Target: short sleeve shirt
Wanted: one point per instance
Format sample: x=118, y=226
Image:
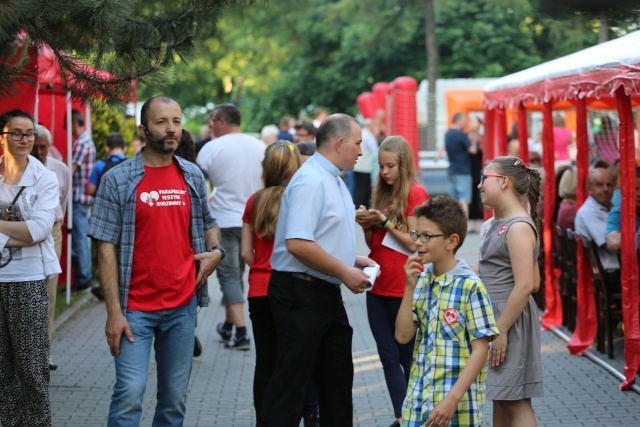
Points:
x=457, y=144
x=316, y=206
x=450, y=311
x=260, y=271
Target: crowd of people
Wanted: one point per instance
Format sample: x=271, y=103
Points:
x=448, y=334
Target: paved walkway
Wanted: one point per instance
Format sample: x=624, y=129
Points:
x=577, y=392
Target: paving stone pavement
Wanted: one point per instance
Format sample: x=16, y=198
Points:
x=577, y=392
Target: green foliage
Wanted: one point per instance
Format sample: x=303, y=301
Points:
x=287, y=57
x=106, y=119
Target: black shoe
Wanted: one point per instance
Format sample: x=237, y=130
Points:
x=242, y=343
x=97, y=292
x=52, y=366
x=197, y=348
x=78, y=287
x=225, y=335
x=396, y=423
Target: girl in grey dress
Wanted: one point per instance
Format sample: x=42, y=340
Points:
x=508, y=268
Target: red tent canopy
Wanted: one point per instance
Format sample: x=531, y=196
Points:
x=47, y=98
x=604, y=75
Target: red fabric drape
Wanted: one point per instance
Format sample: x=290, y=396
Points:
x=523, y=134
x=587, y=324
x=629, y=261
x=501, y=129
x=553, y=306
x=488, y=150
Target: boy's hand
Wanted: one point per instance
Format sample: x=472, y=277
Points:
x=498, y=350
x=412, y=269
x=442, y=413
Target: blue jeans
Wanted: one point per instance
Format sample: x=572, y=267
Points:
x=80, y=253
x=173, y=331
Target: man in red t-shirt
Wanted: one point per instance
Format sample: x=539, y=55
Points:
x=158, y=244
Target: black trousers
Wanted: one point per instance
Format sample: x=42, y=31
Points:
x=313, y=338
x=264, y=339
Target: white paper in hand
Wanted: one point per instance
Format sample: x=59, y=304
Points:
x=373, y=275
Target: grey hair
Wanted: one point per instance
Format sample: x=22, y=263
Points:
x=43, y=131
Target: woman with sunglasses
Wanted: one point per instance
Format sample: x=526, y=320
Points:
x=386, y=228
x=28, y=199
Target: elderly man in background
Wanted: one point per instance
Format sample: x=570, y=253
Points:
x=591, y=221
x=40, y=151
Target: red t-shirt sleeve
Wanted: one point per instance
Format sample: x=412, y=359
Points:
x=417, y=196
x=246, y=217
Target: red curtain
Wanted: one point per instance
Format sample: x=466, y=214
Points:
x=489, y=145
x=629, y=260
x=553, y=306
x=501, y=128
x=523, y=134
x=587, y=324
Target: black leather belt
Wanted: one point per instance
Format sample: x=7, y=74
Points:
x=309, y=278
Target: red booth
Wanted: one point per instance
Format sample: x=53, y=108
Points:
x=603, y=76
x=47, y=98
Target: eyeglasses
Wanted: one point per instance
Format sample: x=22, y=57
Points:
x=486, y=175
x=424, y=237
x=17, y=135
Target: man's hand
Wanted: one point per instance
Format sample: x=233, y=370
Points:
x=208, y=262
x=355, y=279
x=116, y=326
x=363, y=261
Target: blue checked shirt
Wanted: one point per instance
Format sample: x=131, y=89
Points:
x=84, y=155
x=113, y=218
x=450, y=310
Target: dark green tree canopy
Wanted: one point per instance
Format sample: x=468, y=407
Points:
x=132, y=39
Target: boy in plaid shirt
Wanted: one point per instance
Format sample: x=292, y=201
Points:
x=448, y=306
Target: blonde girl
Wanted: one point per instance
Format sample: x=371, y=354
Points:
x=508, y=268
x=386, y=228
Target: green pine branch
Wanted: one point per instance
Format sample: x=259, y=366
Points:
x=131, y=39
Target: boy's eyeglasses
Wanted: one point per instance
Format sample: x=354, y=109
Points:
x=486, y=175
x=424, y=237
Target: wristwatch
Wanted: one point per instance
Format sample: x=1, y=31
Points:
x=221, y=249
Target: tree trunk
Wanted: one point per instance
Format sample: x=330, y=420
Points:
x=603, y=32
x=432, y=73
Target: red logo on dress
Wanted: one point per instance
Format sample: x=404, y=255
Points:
x=450, y=316
x=502, y=230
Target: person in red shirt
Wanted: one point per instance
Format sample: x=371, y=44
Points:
x=386, y=228
x=281, y=161
x=157, y=246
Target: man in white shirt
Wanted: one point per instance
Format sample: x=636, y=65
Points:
x=40, y=151
x=233, y=162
